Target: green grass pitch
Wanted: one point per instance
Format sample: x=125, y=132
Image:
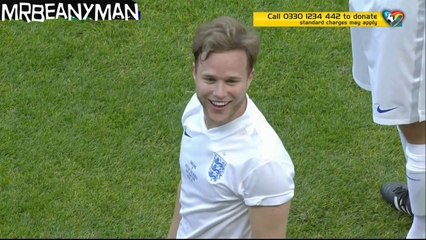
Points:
x=90, y=124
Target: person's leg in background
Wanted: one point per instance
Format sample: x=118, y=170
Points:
x=416, y=174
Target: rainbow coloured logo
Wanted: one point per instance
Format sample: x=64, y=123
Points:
x=393, y=18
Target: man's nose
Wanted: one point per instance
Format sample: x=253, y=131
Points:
x=219, y=89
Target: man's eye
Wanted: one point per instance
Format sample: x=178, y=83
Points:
x=232, y=81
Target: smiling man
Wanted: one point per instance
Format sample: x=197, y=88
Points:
x=236, y=175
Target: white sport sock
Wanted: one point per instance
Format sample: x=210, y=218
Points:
x=417, y=230
x=416, y=174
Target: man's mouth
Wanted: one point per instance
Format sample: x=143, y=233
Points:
x=219, y=104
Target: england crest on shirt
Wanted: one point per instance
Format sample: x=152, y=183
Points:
x=217, y=168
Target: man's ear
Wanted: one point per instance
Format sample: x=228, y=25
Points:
x=194, y=71
x=250, y=77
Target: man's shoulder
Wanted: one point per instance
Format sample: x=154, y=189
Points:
x=262, y=132
x=192, y=108
x=258, y=120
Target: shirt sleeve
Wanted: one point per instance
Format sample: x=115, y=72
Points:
x=269, y=184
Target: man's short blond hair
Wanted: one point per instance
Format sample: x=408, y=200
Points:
x=225, y=34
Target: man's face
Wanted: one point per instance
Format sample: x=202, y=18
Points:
x=221, y=83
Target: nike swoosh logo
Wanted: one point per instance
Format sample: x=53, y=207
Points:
x=186, y=134
x=379, y=110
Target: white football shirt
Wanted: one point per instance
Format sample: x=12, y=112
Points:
x=227, y=169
